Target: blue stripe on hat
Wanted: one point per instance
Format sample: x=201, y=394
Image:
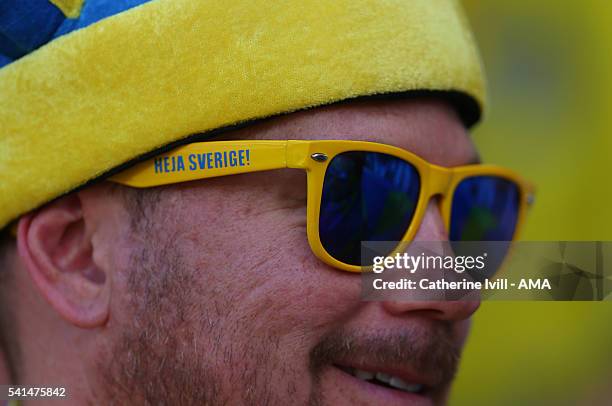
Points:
x=26, y=25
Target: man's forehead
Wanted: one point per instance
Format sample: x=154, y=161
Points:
x=426, y=126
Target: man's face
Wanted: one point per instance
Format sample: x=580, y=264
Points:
x=217, y=298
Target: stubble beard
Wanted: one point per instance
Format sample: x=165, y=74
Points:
x=159, y=356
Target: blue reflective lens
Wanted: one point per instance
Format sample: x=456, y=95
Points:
x=367, y=196
x=484, y=208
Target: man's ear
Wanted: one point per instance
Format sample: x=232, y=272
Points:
x=55, y=244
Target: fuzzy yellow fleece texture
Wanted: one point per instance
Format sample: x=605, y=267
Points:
x=97, y=98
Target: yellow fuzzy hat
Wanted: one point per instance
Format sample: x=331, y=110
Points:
x=107, y=85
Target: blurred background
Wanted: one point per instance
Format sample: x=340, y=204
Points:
x=549, y=67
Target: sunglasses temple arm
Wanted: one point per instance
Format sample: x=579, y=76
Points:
x=205, y=161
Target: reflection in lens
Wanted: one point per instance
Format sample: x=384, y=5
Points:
x=367, y=196
x=484, y=208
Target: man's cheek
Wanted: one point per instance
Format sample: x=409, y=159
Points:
x=300, y=302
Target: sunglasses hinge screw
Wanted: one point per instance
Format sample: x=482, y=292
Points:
x=530, y=199
x=319, y=157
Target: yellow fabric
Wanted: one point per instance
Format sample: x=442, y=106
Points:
x=70, y=8
x=101, y=96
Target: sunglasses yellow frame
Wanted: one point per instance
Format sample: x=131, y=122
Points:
x=221, y=158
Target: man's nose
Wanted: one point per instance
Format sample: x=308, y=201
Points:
x=432, y=229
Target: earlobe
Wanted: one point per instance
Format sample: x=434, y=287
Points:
x=55, y=244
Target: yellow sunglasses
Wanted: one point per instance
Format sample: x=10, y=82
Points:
x=358, y=191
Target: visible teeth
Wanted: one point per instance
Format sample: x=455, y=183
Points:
x=390, y=380
x=383, y=377
x=365, y=375
x=408, y=387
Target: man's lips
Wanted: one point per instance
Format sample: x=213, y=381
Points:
x=374, y=392
x=414, y=365
x=399, y=377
